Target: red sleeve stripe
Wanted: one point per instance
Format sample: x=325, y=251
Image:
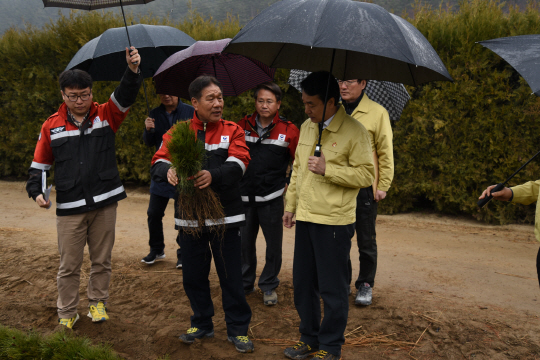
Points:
x=121, y=108
x=40, y=166
x=239, y=162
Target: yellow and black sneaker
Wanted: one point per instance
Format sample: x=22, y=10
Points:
x=242, y=343
x=325, y=355
x=194, y=333
x=98, y=313
x=69, y=322
x=299, y=351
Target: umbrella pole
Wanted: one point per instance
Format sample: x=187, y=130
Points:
x=481, y=203
x=127, y=32
x=318, y=147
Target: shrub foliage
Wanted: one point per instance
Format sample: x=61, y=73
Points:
x=452, y=141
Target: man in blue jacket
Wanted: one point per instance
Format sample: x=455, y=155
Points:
x=161, y=119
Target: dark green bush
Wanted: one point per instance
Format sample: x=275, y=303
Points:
x=452, y=141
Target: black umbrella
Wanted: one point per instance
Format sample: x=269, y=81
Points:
x=104, y=56
x=523, y=53
x=392, y=96
x=368, y=41
x=94, y=5
x=354, y=40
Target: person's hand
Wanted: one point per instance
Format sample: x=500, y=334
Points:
x=133, y=59
x=317, y=165
x=203, y=179
x=172, y=178
x=379, y=195
x=42, y=203
x=288, y=221
x=150, y=123
x=503, y=195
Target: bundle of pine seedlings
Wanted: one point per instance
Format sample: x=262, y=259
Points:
x=199, y=207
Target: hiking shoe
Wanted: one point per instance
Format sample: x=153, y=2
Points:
x=270, y=297
x=98, y=313
x=299, y=351
x=152, y=257
x=179, y=263
x=241, y=343
x=69, y=322
x=364, y=296
x=325, y=355
x=194, y=333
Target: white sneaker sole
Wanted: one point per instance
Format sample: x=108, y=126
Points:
x=159, y=257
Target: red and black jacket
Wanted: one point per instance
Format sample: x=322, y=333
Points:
x=85, y=170
x=227, y=160
x=265, y=178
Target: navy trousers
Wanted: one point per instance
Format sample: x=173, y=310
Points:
x=270, y=218
x=366, y=237
x=320, y=271
x=156, y=212
x=197, y=255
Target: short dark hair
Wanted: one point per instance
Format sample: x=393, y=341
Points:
x=196, y=87
x=75, y=79
x=316, y=84
x=270, y=86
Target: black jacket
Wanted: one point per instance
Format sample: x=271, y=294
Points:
x=85, y=174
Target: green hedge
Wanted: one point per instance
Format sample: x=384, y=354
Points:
x=452, y=141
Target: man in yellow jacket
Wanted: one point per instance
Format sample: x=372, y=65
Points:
x=322, y=194
x=375, y=119
x=524, y=194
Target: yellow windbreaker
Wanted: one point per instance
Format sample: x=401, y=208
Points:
x=526, y=194
x=375, y=119
x=331, y=199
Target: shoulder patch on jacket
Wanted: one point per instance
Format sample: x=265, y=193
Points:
x=57, y=130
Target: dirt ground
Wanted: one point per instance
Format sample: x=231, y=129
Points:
x=446, y=288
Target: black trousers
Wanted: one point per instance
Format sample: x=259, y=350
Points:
x=270, y=219
x=538, y=265
x=156, y=212
x=197, y=257
x=320, y=271
x=366, y=237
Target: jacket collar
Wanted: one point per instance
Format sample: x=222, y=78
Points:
x=199, y=125
x=363, y=106
x=336, y=122
x=253, y=124
x=63, y=109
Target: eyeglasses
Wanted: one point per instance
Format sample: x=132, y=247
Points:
x=347, y=83
x=74, y=97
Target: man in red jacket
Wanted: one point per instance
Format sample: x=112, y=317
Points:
x=227, y=160
x=272, y=143
x=79, y=140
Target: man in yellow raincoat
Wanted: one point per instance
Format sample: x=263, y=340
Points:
x=322, y=194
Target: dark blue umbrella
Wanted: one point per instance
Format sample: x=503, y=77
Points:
x=104, y=56
x=523, y=53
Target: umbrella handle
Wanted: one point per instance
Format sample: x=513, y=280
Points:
x=482, y=202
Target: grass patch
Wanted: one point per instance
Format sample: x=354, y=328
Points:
x=18, y=345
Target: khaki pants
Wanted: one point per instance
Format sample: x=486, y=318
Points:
x=74, y=231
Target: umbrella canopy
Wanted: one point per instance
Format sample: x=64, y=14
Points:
x=369, y=42
x=104, y=57
x=91, y=4
x=236, y=73
x=392, y=96
x=523, y=53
